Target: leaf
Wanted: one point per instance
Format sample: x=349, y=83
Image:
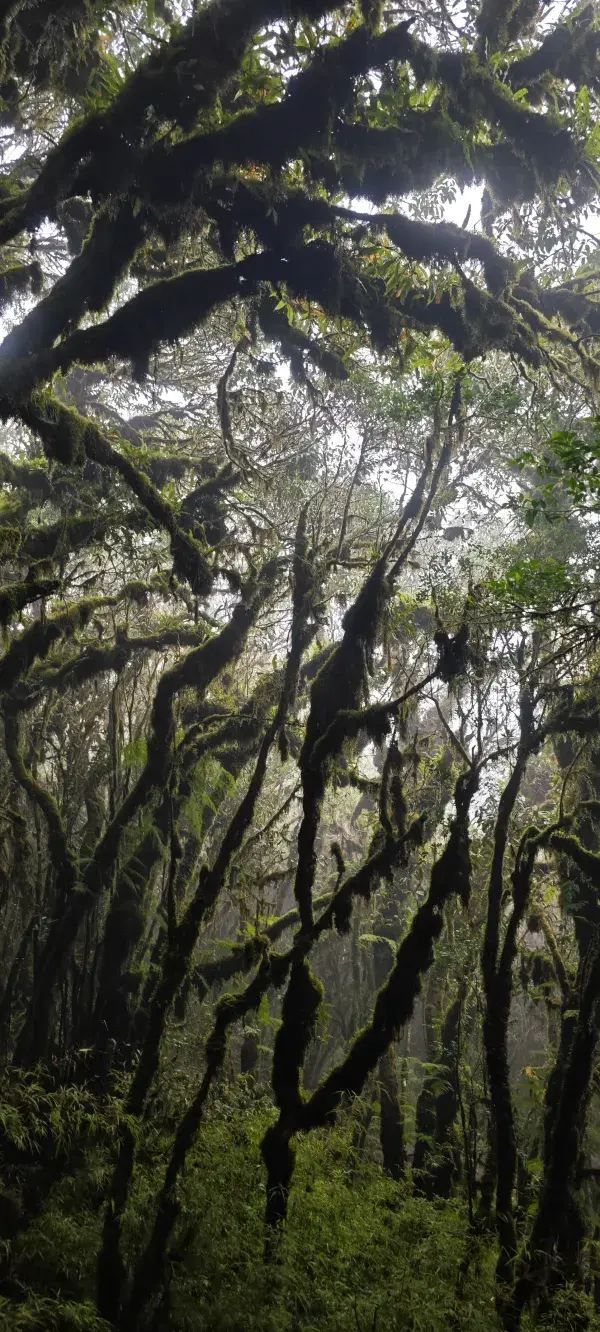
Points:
x=135, y=753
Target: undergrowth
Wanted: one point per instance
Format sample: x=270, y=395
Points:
x=358, y=1251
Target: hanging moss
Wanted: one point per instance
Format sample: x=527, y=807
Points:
x=60, y=429
x=299, y=1014
x=588, y=861
x=454, y=655
x=500, y=22
x=26, y=476
x=181, y=945
x=298, y=1017
x=450, y=874
x=277, y=132
x=294, y=343
x=112, y=1020
x=339, y=687
x=472, y=319
x=150, y=1270
x=244, y=955
x=553, y=1252
x=378, y=865
x=569, y=51
x=75, y=215
x=393, y=1007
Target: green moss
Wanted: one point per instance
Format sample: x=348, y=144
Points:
x=19, y=278
x=37, y=641
x=61, y=429
x=10, y=542
x=17, y=595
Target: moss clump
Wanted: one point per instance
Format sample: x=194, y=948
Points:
x=10, y=542
x=17, y=595
x=61, y=430
x=19, y=278
x=37, y=641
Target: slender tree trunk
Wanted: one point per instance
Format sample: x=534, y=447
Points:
x=391, y=1120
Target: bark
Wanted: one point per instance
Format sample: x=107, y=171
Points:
x=391, y=1117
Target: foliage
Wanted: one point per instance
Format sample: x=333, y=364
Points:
x=299, y=588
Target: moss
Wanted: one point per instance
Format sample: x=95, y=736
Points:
x=317, y=271
x=87, y=284
x=10, y=542
x=95, y=661
x=17, y=595
x=294, y=343
x=61, y=430
x=70, y=438
x=26, y=476
x=298, y=1017
x=552, y=1256
x=381, y=861
x=313, y=100
x=501, y=22
x=63, y=862
x=454, y=655
x=393, y=1007
x=124, y=928
x=588, y=861
x=425, y=240
x=433, y=1163
x=196, y=670
x=299, y=1014
x=394, y=1003
x=100, y=153
x=184, y=937
x=37, y=641
x=391, y=1118
x=569, y=51
x=337, y=689
x=75, y=215
x=20, y=278
x=244, y=955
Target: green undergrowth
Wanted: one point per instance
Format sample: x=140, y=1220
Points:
x=359, y=1251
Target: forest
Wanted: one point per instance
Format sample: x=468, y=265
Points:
x=299, y=666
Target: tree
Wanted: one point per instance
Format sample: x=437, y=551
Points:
x=268, y=654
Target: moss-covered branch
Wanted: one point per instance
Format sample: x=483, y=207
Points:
x=95, y=661
x=204, y=53
x=87, y=284
x=394, y=1004
x=184, y=935
x=63, y=861
x=70, y=437
x=272, y=971
x=15, y=596
x=196, y=670
x=318, y=271
x=37, y=641
x=315, y=100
